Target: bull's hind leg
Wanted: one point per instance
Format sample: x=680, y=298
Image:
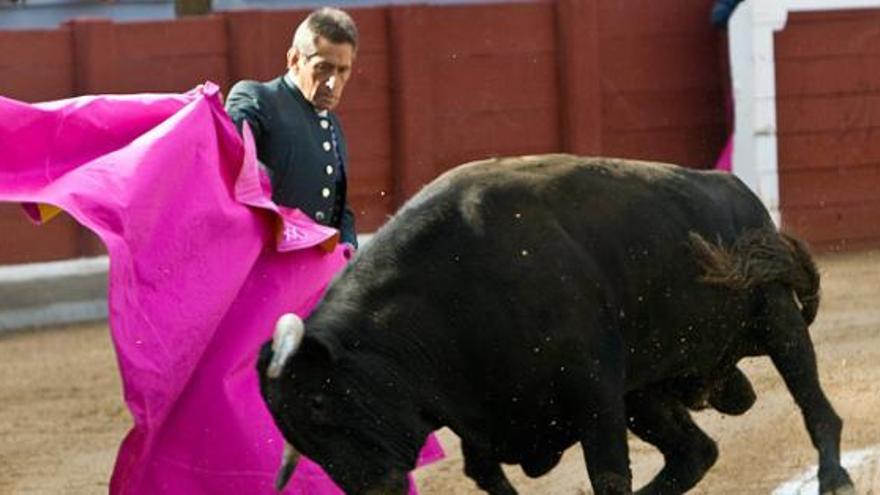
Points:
x=788, y=343
x=485, y=470
x=664, y=422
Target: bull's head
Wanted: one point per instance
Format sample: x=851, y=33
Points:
x=327, y=409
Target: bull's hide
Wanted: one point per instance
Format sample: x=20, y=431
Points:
x=531, y=303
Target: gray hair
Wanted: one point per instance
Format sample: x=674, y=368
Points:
x=328, y=22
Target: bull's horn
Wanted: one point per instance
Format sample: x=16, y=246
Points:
x=288, y=465
x=288, y=334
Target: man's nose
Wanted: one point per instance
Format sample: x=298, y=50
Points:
x=331, y=82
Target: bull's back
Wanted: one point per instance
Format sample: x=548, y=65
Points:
x=523, y=259
x=601, y=193
x=570, y=244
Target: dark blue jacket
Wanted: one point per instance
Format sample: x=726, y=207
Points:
x=721, y=12
x=295, y=143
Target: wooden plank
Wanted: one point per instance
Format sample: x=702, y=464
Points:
x=370, y=177
x=35, y=47
x=696, y=148
x=821, y=34
x=278, y=28
x=830, y=15
x=478, y=135
x=369, y=87
x=663, y=110
x=830, y=187
x=372, y=25
x=838, y=74
x=827, y=113
x=638, y=17
x=652, y=63
x=368, y=133
x=829, y=149
x=170, y=74
x=412, y=105
x=371, y=211
x=36, y=65
x=95, y=55
x=499, y=81
x=38, y=83
x=24, y=242
x=836, y=227
x=492, y=28
x=578, y=59
x=160, y=39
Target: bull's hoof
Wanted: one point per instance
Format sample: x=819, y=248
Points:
x=503, y=488
x=842, y=490
x=836, y=482
x=611, y=484
x=657, y=487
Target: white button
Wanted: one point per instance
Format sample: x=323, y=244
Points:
x=324, y=124
x=329, y=169
x=319, y=215
x=326, y=145
x=325, y=192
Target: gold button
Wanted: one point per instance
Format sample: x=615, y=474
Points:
x=325, y=192
x=326, y=145
x=329, y=169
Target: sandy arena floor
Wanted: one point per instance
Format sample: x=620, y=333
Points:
x=62, y=417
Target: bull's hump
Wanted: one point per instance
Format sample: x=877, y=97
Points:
x=532, y=172
x=511, y=180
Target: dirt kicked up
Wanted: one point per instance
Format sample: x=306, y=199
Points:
x=62, y=416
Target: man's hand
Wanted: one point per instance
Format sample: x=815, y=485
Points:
x=348, y=250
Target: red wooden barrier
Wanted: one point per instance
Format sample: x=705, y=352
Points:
x=434, y=85
x=828, y=105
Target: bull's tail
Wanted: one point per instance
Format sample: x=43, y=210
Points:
x=761, y=256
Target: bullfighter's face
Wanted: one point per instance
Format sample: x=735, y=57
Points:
x=321, y=76
x=334, y=423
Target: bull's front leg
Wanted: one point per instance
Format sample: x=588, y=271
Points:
x=789, y=346
x=594, y=395
x=485, y=470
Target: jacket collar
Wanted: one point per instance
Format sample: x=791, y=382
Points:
x=291, y=85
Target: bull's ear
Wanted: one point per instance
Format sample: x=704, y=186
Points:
x=321, y=347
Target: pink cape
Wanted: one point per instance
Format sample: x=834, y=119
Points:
x=725, y=159
x=201, y=266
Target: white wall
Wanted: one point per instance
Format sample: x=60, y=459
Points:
x=753, y=74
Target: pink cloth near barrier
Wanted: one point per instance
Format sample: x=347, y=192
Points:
x=202, y=263
x=725, y=159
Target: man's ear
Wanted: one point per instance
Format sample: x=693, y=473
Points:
x=292, y=59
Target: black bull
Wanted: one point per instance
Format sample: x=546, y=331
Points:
x=530, y=303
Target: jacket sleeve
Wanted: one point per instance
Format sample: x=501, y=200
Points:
x=243, y=104
x=347, y=231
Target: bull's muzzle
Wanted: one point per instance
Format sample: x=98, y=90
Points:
x=289, y=331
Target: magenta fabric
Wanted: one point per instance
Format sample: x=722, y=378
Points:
x=725, y=159
x=202, y=263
